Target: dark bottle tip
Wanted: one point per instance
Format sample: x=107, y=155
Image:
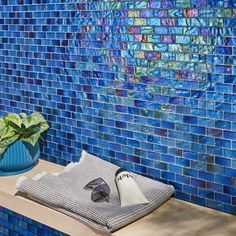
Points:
x=120, y=170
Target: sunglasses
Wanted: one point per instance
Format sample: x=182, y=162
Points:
x=100, y=190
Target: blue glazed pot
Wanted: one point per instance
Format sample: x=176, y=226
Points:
x=18, y=158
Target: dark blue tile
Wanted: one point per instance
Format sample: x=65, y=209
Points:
x=214, y=187
x=190, y=119
x=230, y=135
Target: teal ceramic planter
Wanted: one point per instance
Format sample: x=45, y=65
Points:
x=18, y=158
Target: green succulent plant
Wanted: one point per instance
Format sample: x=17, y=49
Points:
x=21, y=127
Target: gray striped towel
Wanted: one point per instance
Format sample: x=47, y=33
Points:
x=64, y=192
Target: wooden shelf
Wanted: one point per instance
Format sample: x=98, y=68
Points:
x=175, y=217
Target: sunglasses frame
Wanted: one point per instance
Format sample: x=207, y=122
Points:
x=90, y=184
x=96, y=188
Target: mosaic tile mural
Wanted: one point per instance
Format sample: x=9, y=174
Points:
x=12, y=223
x=149, y=85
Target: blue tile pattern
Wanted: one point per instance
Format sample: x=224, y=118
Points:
x=12, y=223
x=148, y=85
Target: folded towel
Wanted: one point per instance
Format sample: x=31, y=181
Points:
x=65, y=192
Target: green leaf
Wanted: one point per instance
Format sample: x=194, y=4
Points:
x=6, y=133
x=33, y=119
x=2, y=124
x=14, y=127
x=13, y=118
x=43, y=127
x=23, y=119
x=32, y=139
x=39, y=128
x=9, y=140
x=23, y=115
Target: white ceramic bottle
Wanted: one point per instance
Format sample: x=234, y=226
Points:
x=129, y=191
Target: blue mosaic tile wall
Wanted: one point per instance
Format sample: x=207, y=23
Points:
x=149, y=85
x=12, y=223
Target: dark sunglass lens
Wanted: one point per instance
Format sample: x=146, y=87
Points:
x=104, y=188
x=101, y=190
x=97, y=197
x=100, y=194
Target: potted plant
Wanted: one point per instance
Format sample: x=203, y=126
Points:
x=19, y=147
